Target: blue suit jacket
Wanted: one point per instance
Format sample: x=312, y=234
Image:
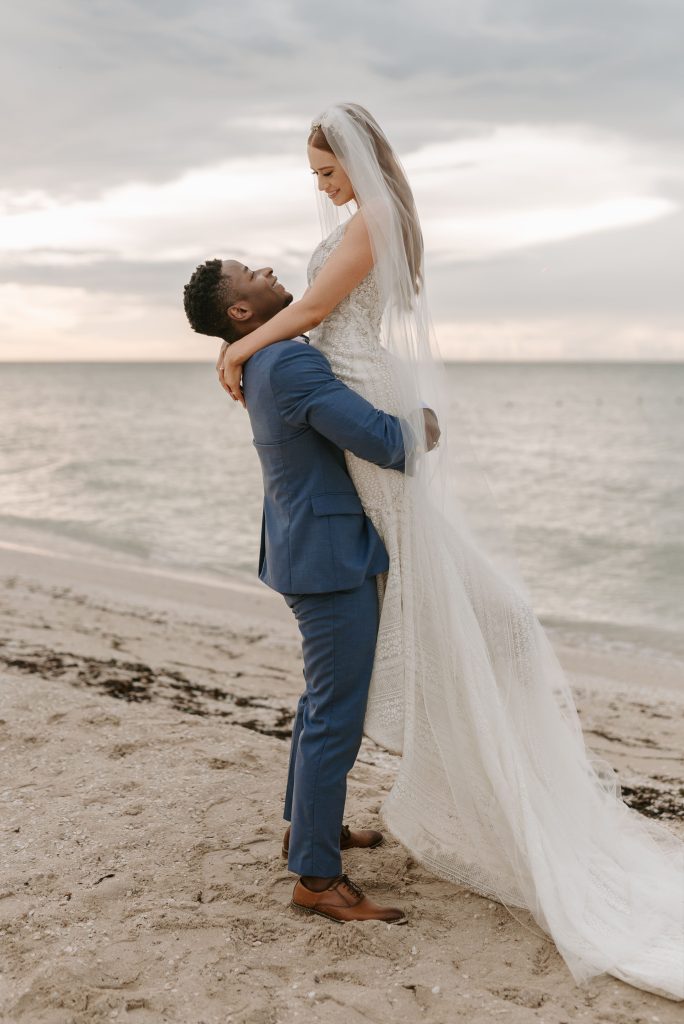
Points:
x=315, y=536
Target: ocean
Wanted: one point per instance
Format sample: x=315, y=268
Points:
x=153, y=463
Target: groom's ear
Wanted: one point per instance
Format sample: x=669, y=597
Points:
x=240, y=311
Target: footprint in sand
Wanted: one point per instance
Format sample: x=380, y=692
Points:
x=243, y=850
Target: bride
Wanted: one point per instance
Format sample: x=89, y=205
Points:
x=496, y=789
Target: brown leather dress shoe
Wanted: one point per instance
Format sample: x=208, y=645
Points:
x=343, y=901
x=364, y=839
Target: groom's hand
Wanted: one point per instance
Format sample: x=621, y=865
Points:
x=432, y=429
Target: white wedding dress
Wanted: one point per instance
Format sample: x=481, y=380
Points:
x=496, y=789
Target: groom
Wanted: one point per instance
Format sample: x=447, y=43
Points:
x=322, y=553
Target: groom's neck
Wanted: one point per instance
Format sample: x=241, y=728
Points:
x=254, y=324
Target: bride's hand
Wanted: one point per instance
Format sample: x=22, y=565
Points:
x=219, y=363
x=432, y=429
x=230, y=374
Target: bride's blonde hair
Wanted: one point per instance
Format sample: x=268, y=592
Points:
x=395, y=180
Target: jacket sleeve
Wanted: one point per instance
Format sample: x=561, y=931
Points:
x=307, y=393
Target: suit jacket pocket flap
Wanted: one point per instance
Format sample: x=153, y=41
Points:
x=344, y=503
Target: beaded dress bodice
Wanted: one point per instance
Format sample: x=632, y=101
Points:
x=350, y=335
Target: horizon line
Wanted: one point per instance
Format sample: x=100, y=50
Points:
x=667, y=361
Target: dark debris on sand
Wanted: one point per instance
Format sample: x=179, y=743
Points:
x=137, y=682
x=666, y=802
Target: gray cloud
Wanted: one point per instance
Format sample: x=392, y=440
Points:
x=616, y=63
x=105, y=94
x=160, y=282
x=634, y=270
x=631, y=270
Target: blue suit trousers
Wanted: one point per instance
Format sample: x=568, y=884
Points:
x=339, y=634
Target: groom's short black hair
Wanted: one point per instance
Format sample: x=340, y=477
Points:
x=206, y=297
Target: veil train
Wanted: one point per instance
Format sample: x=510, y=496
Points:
x=496, y=789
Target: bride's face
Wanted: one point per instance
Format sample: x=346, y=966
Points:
x=330, y=175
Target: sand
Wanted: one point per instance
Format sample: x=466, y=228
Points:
x=144, y=733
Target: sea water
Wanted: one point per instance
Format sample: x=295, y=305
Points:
x=154, y=462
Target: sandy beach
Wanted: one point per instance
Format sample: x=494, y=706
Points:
x=145, y=727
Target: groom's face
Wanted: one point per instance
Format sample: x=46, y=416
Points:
x=258, y=294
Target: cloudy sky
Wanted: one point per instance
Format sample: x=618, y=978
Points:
x=543, y=139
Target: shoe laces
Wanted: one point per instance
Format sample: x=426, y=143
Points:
x=355, y=889
x=346, y=832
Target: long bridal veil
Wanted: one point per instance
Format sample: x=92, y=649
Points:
x=496, y=789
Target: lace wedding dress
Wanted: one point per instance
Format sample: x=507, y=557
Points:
x=496, y=789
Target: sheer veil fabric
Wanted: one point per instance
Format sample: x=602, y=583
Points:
x=496, y=789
